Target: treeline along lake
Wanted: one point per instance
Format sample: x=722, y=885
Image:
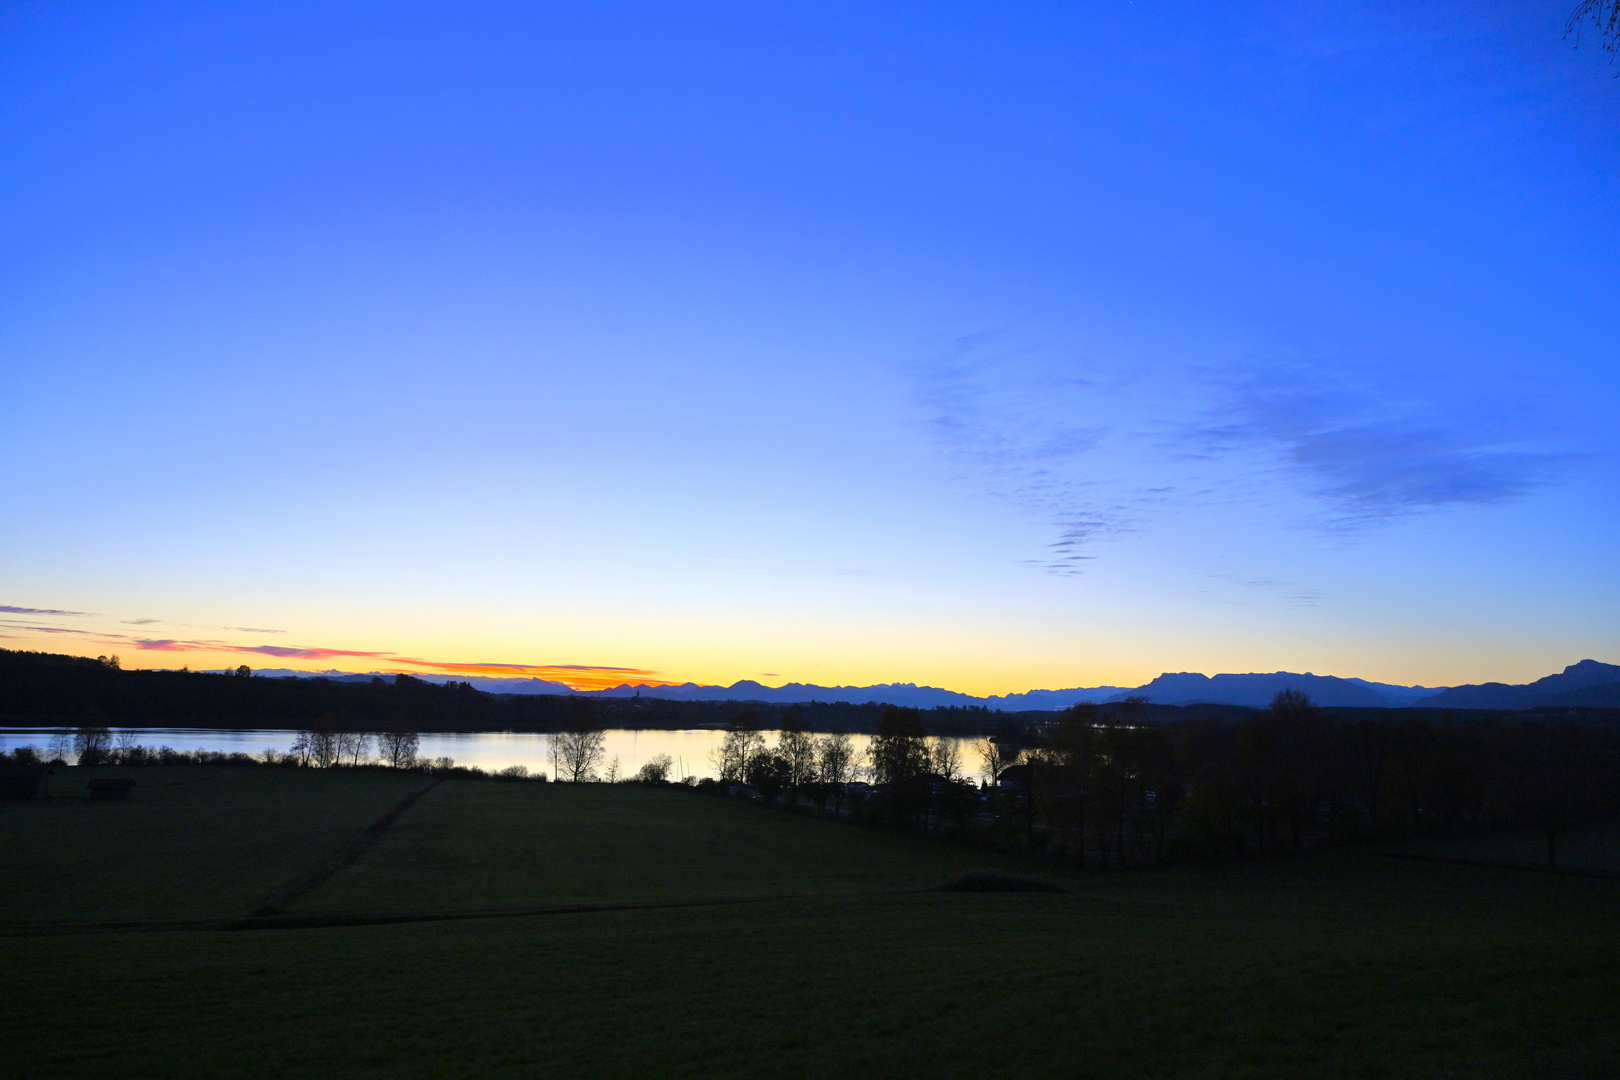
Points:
x=691, y=751
x=43, y=687
x=1130, y=781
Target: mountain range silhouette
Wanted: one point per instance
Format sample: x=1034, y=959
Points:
x=1587, y=683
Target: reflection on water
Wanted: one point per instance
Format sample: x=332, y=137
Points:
x=488, y=750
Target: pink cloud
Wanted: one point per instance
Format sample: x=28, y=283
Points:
x=299, y=653
x=577, y=676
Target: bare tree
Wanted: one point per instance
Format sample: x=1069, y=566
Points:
x=996, y=758
x=317, y=748
x=899, y=751
x=612, y=776
x=91, y=742
x=835, y=761
x=835, y=758
x=736, y=752
x=398, y=748
x=577, y=751
x=656, y=769
x=353, y=745
x=797, y=748
x=944, y=758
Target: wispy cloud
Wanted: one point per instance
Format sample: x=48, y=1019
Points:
x=41, y=611
x=1100, y=452
x=295, y=652
x=1288, y=592
x=577, y=676
x=196, y=626
x=1004, y=418
x=1369, y=455
x=47, y=629
x=1057, y=439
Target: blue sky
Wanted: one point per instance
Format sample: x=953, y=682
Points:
x=956, y=344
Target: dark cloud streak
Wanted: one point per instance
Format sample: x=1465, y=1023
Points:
x=1099, y=452
x=1371, y=460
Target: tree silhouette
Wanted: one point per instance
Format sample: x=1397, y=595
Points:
x=92, y=740
x=899, y=750
x=835, y=765
x=797, y=748
x=656, y=769
x=398, y=748
x=1604, y=17
x=742, y=743
x=995, y=756
x=578, y=750
x=1074, y=742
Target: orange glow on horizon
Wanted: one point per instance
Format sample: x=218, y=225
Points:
x=574, y=676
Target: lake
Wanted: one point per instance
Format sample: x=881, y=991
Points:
x=488, y=750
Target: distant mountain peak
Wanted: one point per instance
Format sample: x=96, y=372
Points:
x=1580, y=683
x=1586, y=678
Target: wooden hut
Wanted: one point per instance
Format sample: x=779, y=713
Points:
x=24, y=781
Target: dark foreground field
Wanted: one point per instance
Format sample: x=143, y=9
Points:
x=628, y=931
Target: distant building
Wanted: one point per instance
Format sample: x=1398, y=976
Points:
x=1017, y=778
x=25, y=781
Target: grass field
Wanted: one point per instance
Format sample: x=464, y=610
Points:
x=1336, y=964
x=503, y=845
x=192, y=842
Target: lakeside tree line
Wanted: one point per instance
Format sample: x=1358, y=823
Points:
x=1107, y=789
x=1114, y=791
x=93, y=744
x=1099, y=787
x=53, y=690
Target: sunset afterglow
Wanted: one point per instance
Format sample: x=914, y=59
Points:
x=978, y=349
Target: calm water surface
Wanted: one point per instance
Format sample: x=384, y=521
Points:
x=488, y=750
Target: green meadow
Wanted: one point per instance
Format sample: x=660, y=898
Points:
x=622, y=931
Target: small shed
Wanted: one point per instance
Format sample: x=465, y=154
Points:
x=106, y=788
x=24, y=781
